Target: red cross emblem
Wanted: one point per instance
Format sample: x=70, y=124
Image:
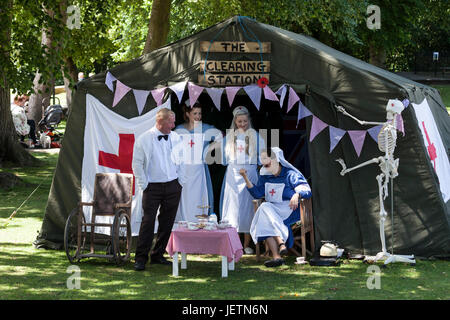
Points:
x=430, y=148
x=191, y=143
x=123, y=161
x=241, y=148
x=272, y=192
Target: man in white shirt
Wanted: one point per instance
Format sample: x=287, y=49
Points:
x=160, y=173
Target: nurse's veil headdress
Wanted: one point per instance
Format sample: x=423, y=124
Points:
x=280, y=158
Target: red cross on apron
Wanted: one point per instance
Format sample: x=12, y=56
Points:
x=272, y=192
x=123, y=161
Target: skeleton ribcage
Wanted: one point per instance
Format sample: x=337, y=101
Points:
x=387, y=138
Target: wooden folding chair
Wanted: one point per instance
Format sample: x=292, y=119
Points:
x=299, y=229
x=304, y=226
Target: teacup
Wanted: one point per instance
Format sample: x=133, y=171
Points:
x=182, y=224
x=192, y=226
x=210, y=226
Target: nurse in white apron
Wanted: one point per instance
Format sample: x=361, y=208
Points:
x=242, y=145
x=196, y=138
x=282, y=185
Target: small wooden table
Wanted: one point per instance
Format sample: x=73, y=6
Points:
x=224, y=242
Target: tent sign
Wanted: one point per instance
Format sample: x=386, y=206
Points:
x=234, y=47
x=235, y=66
x=230, y=79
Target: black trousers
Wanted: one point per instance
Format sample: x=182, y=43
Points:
x=165, y=196
x=32, y=133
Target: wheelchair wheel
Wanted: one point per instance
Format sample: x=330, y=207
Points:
x=121, y=236
x=73, y=241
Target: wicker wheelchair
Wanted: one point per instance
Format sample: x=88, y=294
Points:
x=111, y=202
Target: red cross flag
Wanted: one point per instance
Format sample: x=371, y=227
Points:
x=108, y=147
x=434, y=146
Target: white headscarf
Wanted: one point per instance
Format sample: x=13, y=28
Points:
x=280, y=158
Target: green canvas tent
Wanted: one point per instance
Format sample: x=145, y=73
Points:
x=346, y=208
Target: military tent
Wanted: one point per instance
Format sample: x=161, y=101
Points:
x=346, y=208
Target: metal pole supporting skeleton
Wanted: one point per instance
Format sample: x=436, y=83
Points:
x=387, y=139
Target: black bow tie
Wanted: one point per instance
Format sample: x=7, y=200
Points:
x=165, y=136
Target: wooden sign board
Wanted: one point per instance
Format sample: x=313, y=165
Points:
x=216, y=80
x=235, y=66
x=234, y=47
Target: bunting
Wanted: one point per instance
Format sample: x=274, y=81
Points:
x=194, y=93
x=216, y=96
x=336, y=135
x=178, y=88
x=282, y=92
x=121, y=91
x=269, y=94
x=141, y=98
x=357, y=137
x=316, y=127
x=255, y=93
x=231, y=93
x=293, y=98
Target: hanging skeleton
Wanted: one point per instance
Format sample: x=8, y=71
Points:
x=387, y=139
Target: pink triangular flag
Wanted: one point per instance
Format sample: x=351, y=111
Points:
x=293, y=98
x=141, y=98
x=178, y=88
x=269, y=94
x=316, y=127
x=158, y=95
x=336, y=135
x=121, y=90
x=400, y=125
x=216, y=96
x=231, y=93
x=282, y=91
x=109, y=81
x=374, y=131
x=194, y=92
x=254, y=92
x=357, y=137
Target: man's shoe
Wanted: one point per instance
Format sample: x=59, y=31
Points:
x=160, y=260
x=139, y=266
x=274, y=263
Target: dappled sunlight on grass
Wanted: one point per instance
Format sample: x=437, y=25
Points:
x=29, y=273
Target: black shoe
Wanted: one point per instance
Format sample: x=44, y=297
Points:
x=274, y=263
x=139, y=266
x=284, y=251
x=160, y=260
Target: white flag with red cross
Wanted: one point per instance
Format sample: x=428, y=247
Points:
x=108, y=148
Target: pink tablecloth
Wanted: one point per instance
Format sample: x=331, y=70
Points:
x=224, y=242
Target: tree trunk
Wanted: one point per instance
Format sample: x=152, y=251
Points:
x=158, y=27
x=10, y=148
x=71, y=74
x=377, y=56
x=70, y=80
x=40, y=99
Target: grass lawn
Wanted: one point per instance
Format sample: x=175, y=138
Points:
x=29, y=273
x=444, y=91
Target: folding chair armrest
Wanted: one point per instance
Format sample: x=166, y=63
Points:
x=122, y=205
x=86, y=203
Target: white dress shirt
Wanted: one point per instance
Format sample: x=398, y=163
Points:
x=157, y=160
